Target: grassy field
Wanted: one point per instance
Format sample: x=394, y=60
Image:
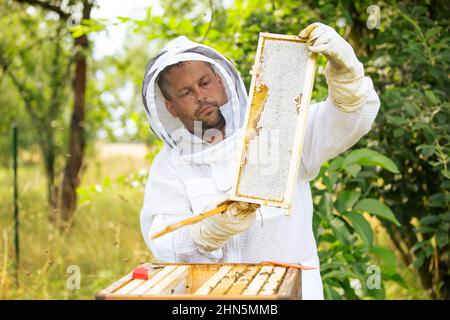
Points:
x=105, y=241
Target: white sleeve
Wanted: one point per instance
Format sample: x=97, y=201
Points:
x=331, y=131
x=166, y=202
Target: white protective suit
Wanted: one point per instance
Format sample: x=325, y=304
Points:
x=183, y=182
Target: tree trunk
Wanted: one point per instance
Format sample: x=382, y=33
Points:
x=49, y=161
x=67, y=197
x=64, y=196
x=74, y=158
x=444, y=276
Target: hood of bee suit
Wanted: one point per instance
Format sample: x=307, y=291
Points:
x=170, y=129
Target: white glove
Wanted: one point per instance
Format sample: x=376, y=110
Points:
x=212, y=233
x=343, y=72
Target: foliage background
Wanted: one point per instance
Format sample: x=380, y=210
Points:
x=384, y=203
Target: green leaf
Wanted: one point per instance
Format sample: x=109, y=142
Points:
x=353, y=169
x=398, y=121
x=426, y=150
x=431, y=97
x=367, y=157
x=78, y=31
x=432, y=32
x=350, y=258
x=378, y=294
x=361, y=226
x=377, y=208
x=442, y=239
x=430, y=219
x=386, y=256
x=347, y=199
x=395, y=277
x=336, y=164
x=438, y=200
x=327, y=238
x=445, y=184
x=419, y=260
x=331, y=293
x=123, y=19
x=350, y=292
x=398, y=132
x=328, y=183
x=135, y=117
x=340, y=230
x=148, y=16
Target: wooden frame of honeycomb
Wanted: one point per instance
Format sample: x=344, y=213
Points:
x=275, y=49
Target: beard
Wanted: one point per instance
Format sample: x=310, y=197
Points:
x=212, y=119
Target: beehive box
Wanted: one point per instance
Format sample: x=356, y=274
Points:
x=207, y=281
x=276, y=117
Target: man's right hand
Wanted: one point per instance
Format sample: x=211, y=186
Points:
x=212, y=233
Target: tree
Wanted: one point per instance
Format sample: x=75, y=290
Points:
x=39, y=71
x=410, y=66
x=65, y=193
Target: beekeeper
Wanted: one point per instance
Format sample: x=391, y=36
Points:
x=195, y=101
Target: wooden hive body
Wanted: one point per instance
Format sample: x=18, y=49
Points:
x=208, y=281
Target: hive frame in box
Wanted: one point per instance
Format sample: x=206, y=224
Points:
x=301, y=123
x=290, y=287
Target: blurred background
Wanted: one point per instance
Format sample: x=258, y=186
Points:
x=70, y=80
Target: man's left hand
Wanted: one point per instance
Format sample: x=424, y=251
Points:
x=344, y=72
x=323, y=39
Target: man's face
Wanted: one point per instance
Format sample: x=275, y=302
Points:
x=196, y=93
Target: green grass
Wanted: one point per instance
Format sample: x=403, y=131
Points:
x=105, y=241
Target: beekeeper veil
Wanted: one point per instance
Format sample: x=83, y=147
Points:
x=170, y=129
